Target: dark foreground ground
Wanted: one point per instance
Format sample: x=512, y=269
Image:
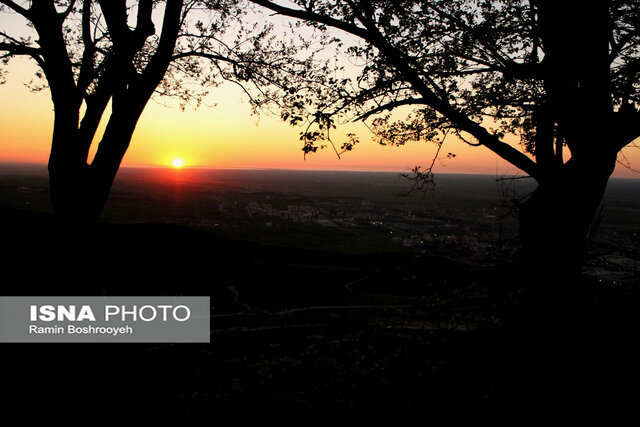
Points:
x=302, y=337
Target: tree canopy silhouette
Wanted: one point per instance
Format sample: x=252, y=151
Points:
x=554, y=75
x=545, y=73
x=96, y=53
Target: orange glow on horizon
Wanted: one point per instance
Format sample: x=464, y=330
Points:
x=227, y=136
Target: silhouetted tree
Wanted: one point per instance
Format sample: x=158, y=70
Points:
x=94, y=52
x=553, y=74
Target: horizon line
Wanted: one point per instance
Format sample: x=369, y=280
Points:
x=254, y=168
x=170, y=168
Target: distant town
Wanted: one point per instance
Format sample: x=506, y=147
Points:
x=468, y=219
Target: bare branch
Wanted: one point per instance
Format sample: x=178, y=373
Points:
x=624, y=162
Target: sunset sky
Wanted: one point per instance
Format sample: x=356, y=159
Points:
x=227, y=136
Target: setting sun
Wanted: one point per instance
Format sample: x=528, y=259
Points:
x=177, y=163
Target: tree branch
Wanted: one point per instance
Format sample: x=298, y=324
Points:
x=69, y=9
x=115, y=15
x=211, y=56
x=627, y=126
x=390, y=106
x=96, y=105
x=87, y=69
x=16, y=8
x=17, y=47
x=459, y=119
x=144, y=24
x=56, y=64
x=407, y=71
x=309, y=15
x=495, y=53
x=158, y=64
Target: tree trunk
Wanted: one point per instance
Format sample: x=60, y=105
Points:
x=554, y=333
x=79, y=191
x=72, y=195
x=78, y=194
x=555, y=223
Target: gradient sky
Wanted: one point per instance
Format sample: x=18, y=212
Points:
x=227, y=136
